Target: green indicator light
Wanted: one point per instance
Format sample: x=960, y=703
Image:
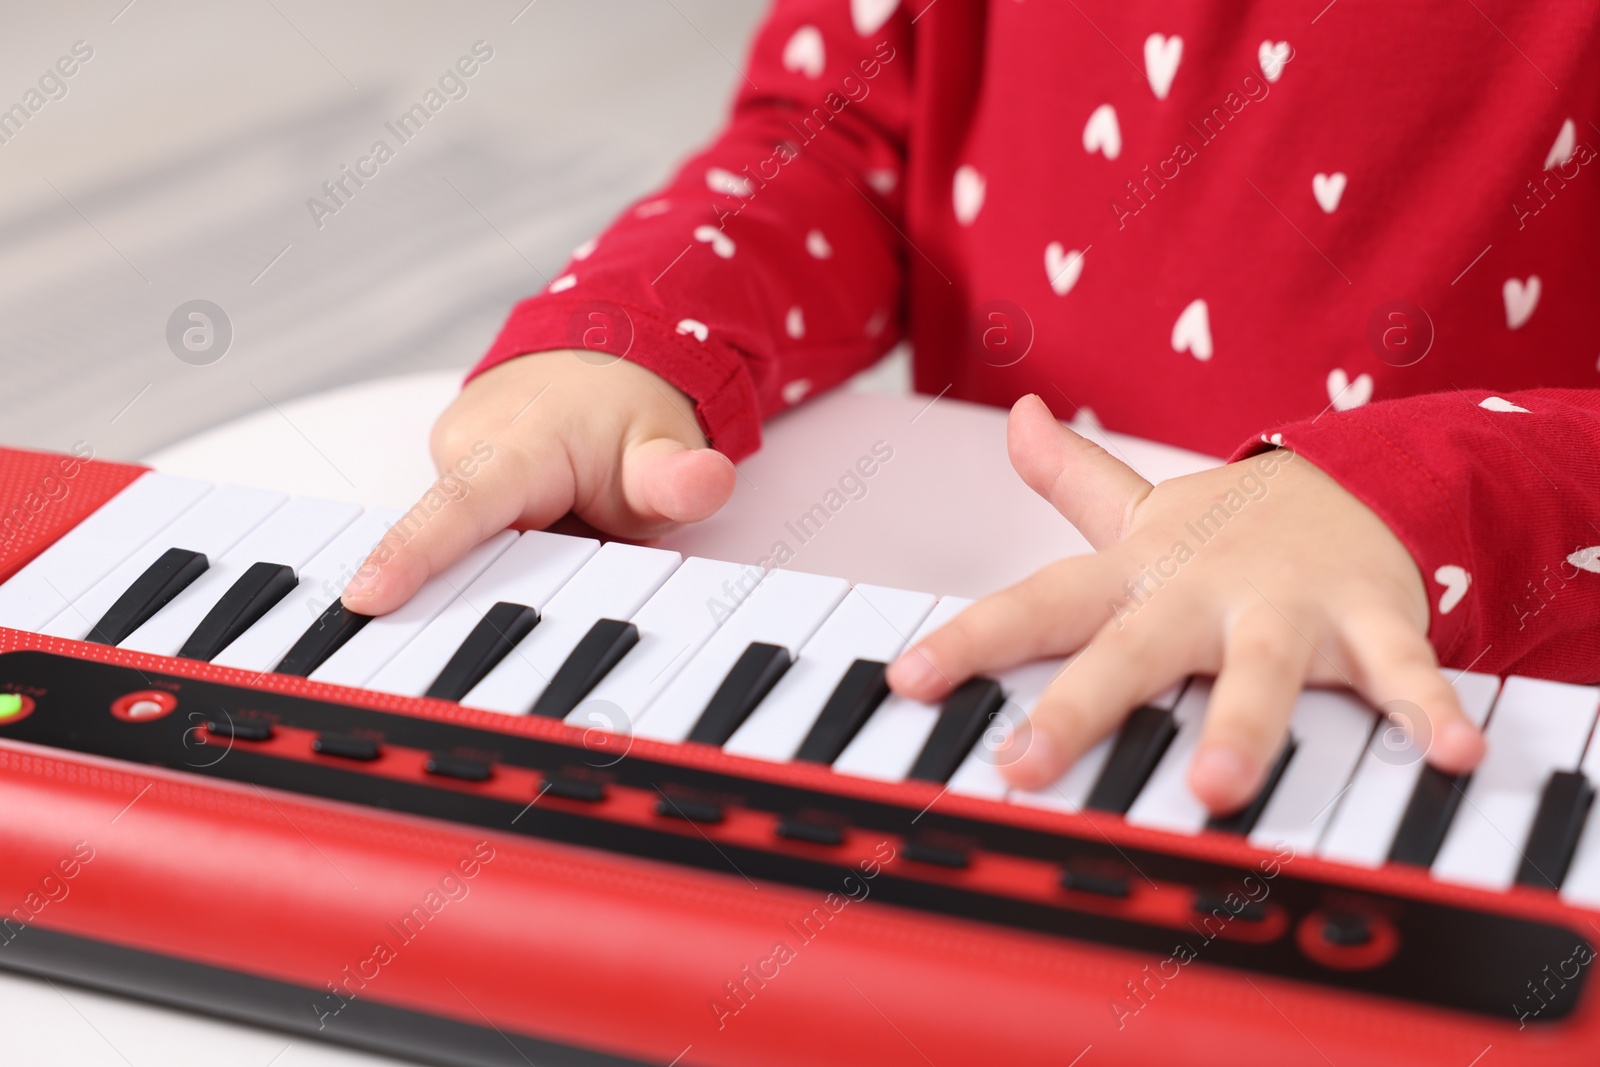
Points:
x=10, y=706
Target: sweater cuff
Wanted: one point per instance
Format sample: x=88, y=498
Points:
x=709, y=372
x=1408, y=498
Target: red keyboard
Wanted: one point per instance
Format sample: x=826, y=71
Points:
x=421, y=876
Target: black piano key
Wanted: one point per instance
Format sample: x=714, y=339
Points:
x=751, y=679
x=1244, y=820
x=327, y=635
x=240, y=608
x=1433, y=803
x=961, y=722
x=501, y=627
x=1563, y=807
x=601, y=649
x=149, y=593
x=1139, y=746
x=854, y=699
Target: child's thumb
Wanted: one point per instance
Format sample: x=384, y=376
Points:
x=664, y=480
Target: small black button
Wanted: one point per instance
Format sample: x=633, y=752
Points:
x=815, y=833
x=346, y=747
x=1097, y=880
x=937, y=855
x=584, y=789
x=241, y=729
x=465, y=768
x=690, y=810
x=1211, y=901
x=1346, y=929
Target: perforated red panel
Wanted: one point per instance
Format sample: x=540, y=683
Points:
x=45, y=494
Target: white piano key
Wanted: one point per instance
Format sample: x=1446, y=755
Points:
x=1582, y=884
x=79, y=558
x=322, y=580
x=673, y=625
x=872, y=622
x=614, y=584
x=530, y=573
x=786, y=608
x=979, y=774
x=380, y=640
x=290, y=536
x=1069, y=792
x=1368, y=816
x=214, y=524
x=1538, y=728
x=1165, y=802
x=888, y=744
x=1330, y=728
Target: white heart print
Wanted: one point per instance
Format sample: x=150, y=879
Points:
x=720, y=242
x=1455, y=581
x=585, y=250
x=695, y=327
x=1521, y=298
x=1161, y=56
x=882, y=180
x=1586, y=559
x=1566, y=142
x=727, y=183
x=1102, y=133
x=1329, y=189
x=1192, y=332
x=1498, y=403
x=563, y=283
x=794, y=323
x=969, y=190
x=652, y=208
x=1062, y=267
x=1272, y=56
x=795, y=391
x=1345, y=394
x=817, y=244
x=804, y=54
x=870, y=15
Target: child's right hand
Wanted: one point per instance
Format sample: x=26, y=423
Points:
x=544, y=435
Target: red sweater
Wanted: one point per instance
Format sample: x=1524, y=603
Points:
x=1370, y=229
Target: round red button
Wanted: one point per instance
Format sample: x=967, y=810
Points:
x=144, y=706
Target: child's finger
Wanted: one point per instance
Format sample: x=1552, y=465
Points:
x=453, y=517
x=1092, y=489
x=666, y=481
x=1398, y=673
x=1263, y=669
x=1122, y=667
x=1051, y=612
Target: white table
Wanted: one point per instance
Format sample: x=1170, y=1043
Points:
x=946, y=514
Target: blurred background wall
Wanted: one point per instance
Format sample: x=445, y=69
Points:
x=174, y=164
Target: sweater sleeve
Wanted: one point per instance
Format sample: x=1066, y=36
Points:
x=1498, y=499
x=769, y=267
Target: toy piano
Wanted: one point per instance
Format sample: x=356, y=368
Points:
x=584, y=803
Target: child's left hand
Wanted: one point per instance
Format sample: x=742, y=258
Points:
x=1303, y=583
